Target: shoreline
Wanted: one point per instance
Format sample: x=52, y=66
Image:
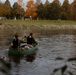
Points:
x=43, y=27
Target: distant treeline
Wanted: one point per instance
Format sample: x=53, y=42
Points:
x=37, y=10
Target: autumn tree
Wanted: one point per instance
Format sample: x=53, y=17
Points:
x=31, y=9
x=17, y=11
x=5, y=10
x=73, y=7
x=65, y=10
x=1, y=9
x=8, y=5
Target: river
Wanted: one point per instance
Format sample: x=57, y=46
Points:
x=45, y=61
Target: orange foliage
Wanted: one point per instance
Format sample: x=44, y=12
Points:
x=5, y=10
x=31, y=9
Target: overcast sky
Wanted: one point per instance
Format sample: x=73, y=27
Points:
x=12, y=1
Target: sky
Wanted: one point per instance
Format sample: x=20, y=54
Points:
x=12, y=1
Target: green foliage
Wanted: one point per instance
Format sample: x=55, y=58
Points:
x=40, y=10
x=7, y=3
x=49, y=11
x=55, y=11
x=17, y=11
x=65, y=10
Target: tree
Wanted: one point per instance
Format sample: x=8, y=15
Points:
x=40, y=11
x=18, y=11
x=1, y=9
x=5, y=10
x=46, y=9
x=56, y=1
x=73, y=7
x=65, y=10
x=49, y=10
x=31, y=9
x=55, y=10
x=8, y=5
x=47, y=2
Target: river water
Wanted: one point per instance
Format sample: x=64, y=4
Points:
x=45, y=60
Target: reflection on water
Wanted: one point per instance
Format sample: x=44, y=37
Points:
x=28, y=58
x=31, y=57
x=43, y=63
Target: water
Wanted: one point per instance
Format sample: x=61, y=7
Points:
x=44, y=61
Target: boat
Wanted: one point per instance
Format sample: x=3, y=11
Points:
x=22, y=51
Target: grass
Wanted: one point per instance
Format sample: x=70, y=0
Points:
x=39, y=22
x=46, y=27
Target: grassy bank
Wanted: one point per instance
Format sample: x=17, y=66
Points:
x=40, y=26
x=38, y=22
